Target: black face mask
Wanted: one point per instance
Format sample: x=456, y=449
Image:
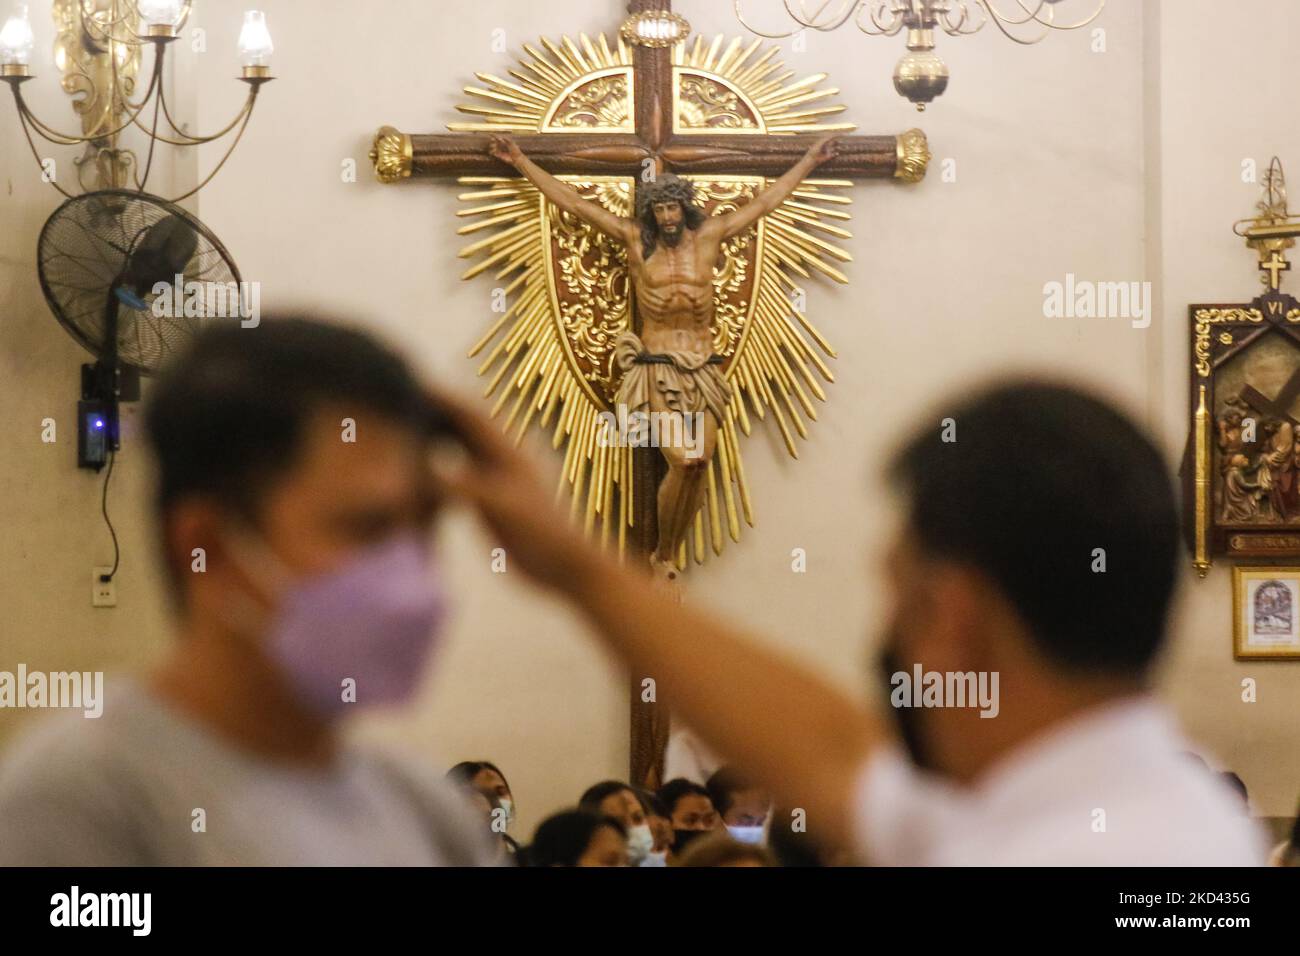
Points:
x=888, y=664
x=683, y=838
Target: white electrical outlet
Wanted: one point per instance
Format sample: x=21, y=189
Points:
x=102, y=593
x=128, y=424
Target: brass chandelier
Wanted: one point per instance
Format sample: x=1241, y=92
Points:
x=921, y=75
x=99, y=48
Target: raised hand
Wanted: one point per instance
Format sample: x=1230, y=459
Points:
x=502, y=485
x=823, y=149
x=505, y=149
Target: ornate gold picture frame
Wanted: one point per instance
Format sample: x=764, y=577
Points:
x=1266, y=613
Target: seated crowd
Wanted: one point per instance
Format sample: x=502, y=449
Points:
x=728, y=822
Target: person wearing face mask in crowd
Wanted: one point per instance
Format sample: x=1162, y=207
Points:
x=691, y=812
x=618, y=801
x=488, y=809
x=296, y=511
x=743, y=807
x=495, y=816
x=483, y=776
x=661, y=827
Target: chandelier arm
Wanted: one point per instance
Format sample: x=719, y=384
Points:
x=1003, y=25
x=961, y=28
x=1101, y=5
x=875, y=11
x=849, y=7
x=25, y=113
x=22, y=118
x=740, y=15
x=196, y=139
x=144, y=100
x=240, y=135
x=1030, y=15
x=1035, y=15
x=103, y=31
x=1051, y=17
x=65, y=139
x=153, y=141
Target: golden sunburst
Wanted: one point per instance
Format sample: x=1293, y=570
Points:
x=544, y=357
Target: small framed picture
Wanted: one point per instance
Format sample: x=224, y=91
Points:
x=1266, y=613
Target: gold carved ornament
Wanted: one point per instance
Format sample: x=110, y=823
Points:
x=1205, y=319
x=1208, y=317
x=547, y=357
x=99, y=66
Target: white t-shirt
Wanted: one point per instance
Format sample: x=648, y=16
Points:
x=146, y=785
x=1113, y=787
x=687, y=756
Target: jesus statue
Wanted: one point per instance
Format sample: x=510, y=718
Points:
x=670, y=368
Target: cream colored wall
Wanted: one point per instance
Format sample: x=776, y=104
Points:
x=1115, y=166
x=1233, y=87
x=51, y=532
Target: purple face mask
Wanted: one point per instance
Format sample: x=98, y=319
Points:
x=375, y=620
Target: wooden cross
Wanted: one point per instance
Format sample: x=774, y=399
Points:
x=1279, y=407
x=400, y=155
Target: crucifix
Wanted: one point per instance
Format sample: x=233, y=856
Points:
x=1275, y=265
x=653, y=139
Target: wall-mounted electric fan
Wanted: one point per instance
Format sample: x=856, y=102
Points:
x=100, y=257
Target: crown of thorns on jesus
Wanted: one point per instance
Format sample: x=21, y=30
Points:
x=666, y=188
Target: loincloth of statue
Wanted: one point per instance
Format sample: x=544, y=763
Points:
x=689, y=382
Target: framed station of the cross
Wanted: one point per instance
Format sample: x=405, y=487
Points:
x=1243, y=486
x=1241, y=472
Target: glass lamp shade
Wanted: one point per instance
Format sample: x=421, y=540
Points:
x=255, y=47
x=160, y=13
x=16, y=38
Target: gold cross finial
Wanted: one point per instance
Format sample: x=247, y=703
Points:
x=1275, y=265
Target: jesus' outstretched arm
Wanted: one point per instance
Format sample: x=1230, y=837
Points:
x=734, y=223
x=564, y=196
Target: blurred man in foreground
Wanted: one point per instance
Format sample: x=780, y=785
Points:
x=1038, y=557
x=296, y=510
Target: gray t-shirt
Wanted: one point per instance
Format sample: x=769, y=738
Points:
x=127, y=789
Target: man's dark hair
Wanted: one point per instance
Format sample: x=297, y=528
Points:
x=595, y=795
x=723, y=786
x=1037, y=486
x=562, y=838
x=231, y=411
x=665, y=188
x=673, y=791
